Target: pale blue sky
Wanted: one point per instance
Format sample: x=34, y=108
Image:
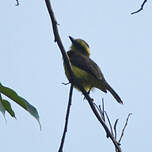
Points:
x=31, y=64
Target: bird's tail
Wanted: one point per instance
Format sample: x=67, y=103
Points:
x=115, y=95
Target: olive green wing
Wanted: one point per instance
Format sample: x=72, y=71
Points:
x=86, y=64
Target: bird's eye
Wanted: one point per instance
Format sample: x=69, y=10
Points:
x=79, y=46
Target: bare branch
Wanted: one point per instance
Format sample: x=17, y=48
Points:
x=114, y=129
x=105, y=127
x=141, y=8
x=66, y=119
x=123, y=130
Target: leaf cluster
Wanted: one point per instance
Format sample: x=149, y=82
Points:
x=5, y=105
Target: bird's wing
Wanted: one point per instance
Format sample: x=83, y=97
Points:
x=86, y=64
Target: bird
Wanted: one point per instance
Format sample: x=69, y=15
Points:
x=86, y=70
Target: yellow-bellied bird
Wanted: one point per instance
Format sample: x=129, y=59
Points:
x=86, y=70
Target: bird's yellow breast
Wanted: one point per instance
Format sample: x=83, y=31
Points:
x=86, y=80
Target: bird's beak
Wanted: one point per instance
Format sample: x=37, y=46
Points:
x=72, y=39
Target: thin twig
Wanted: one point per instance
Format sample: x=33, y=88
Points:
x=17, y=3
x=99, y=109
x=66, y=119
x=101, y=112
x=141, y=8
x=103, y=109
x=115, y=128
x=109, y=124
x=123, y=130
x=65, y=83
x=104, y=125
x=73, y=79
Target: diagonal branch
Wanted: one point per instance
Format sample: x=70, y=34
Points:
x=73, y=79
x=141, y=8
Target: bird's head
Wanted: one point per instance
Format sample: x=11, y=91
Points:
x=80, y=45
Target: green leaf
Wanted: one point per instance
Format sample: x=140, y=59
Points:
x=10, y=93
x=2, y=109
x=33, y=111
x=8, y=108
